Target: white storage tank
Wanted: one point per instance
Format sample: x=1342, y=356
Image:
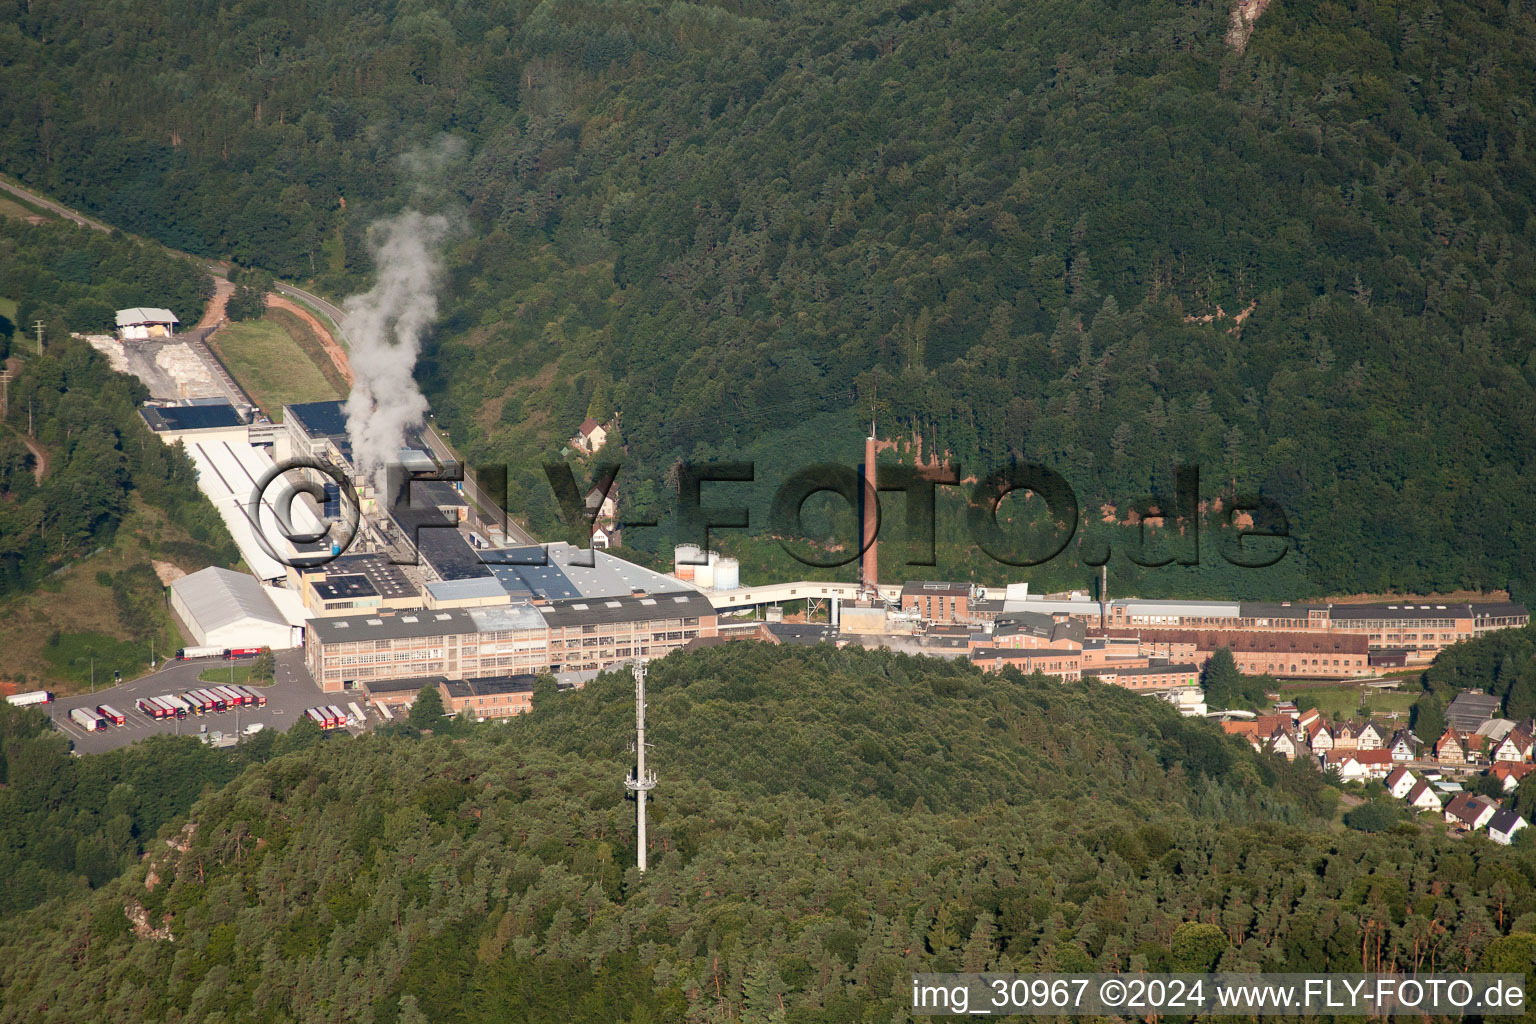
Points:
x=704, y=575
x=683, y=558
x=727, y=574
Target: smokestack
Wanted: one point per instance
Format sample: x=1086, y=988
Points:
x=869, y=569
x=1103, y=592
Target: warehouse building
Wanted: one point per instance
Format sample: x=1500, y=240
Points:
x=224, y=608
x=523, y=638
x=142, y=323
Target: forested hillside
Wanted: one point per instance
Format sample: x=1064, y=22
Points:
x=967, y=822
x=68, y=823
x=1016, y=229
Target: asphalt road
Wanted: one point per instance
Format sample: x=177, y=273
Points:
x=49, y=204
x=290, y=694
x=336, y=315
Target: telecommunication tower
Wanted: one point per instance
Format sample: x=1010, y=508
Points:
x=642, y=780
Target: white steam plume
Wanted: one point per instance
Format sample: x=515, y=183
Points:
x=384, y=327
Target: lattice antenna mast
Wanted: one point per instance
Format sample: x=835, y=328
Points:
x=642, y=780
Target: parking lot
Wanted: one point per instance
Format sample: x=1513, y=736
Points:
x=287, y=698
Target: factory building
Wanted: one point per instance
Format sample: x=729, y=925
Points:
x=224, y=608
x=525, y=638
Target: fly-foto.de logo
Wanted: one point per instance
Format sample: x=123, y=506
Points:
x=1046, y=514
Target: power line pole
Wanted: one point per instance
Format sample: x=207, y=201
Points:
x=38, y=327
x=6, y=376
x=641, y=781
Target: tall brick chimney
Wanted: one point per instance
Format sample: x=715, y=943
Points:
x=869, y=569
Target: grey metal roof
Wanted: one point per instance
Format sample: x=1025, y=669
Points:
x=336, y=588
x=1048, y=605
x=1278, y=609
x=1470, y=710
x=1454, y=610
x=401, y=685
x=626, y=609
x=936, y=587
x=145, y=315
x=802, y=634
x=385, y=576
x=463, y=590
x=490, y=685
x=1206, y=609
x=217, y=597
x=318, y=419
x=1152, y=670
x=191, y=417
x=391, y=625
x=561, y=571
x=518, y=616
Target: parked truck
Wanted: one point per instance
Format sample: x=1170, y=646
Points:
x=90, y=721
x=111, y=714
x=22, y=700
x=187, y=653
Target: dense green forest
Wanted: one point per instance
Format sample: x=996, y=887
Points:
x=1010, y=230
x=71, y=823
x=827, y=823
x=73, y=279
x=79, y=414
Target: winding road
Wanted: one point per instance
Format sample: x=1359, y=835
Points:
x=329, y=310
x=53, y=207
x=332, y=313
x=293, y=291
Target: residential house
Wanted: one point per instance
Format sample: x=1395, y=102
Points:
x=1514, y=748
x=1344, y=735
x=1370, y=737
x=1503, y=826
x=1449, y=748
x=1364, y=764
x=1423, y=797
x=1282, y=742
x=590, y=436
x=1469, y=812
x=1319, y=736
x=1400, y=782
x=1509, y=775
x=1402, y=745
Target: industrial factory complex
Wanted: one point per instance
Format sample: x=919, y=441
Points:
x=432, y=592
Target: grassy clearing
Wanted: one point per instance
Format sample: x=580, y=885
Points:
x=8, y=308
x=11, y=207
x=307, y=341
x=88, y=660
x=270, y=365
x=74, y=604
x=1344, y=699
x=229, y=674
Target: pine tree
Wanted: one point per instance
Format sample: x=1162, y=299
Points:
x=1428, y=718
x=1520, y=703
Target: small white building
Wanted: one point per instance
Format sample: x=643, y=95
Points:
x=224, y=608
x=1503, y=826
x=1400, y=783
x=1422, y=797
x=141, y=323
x=590, y=436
